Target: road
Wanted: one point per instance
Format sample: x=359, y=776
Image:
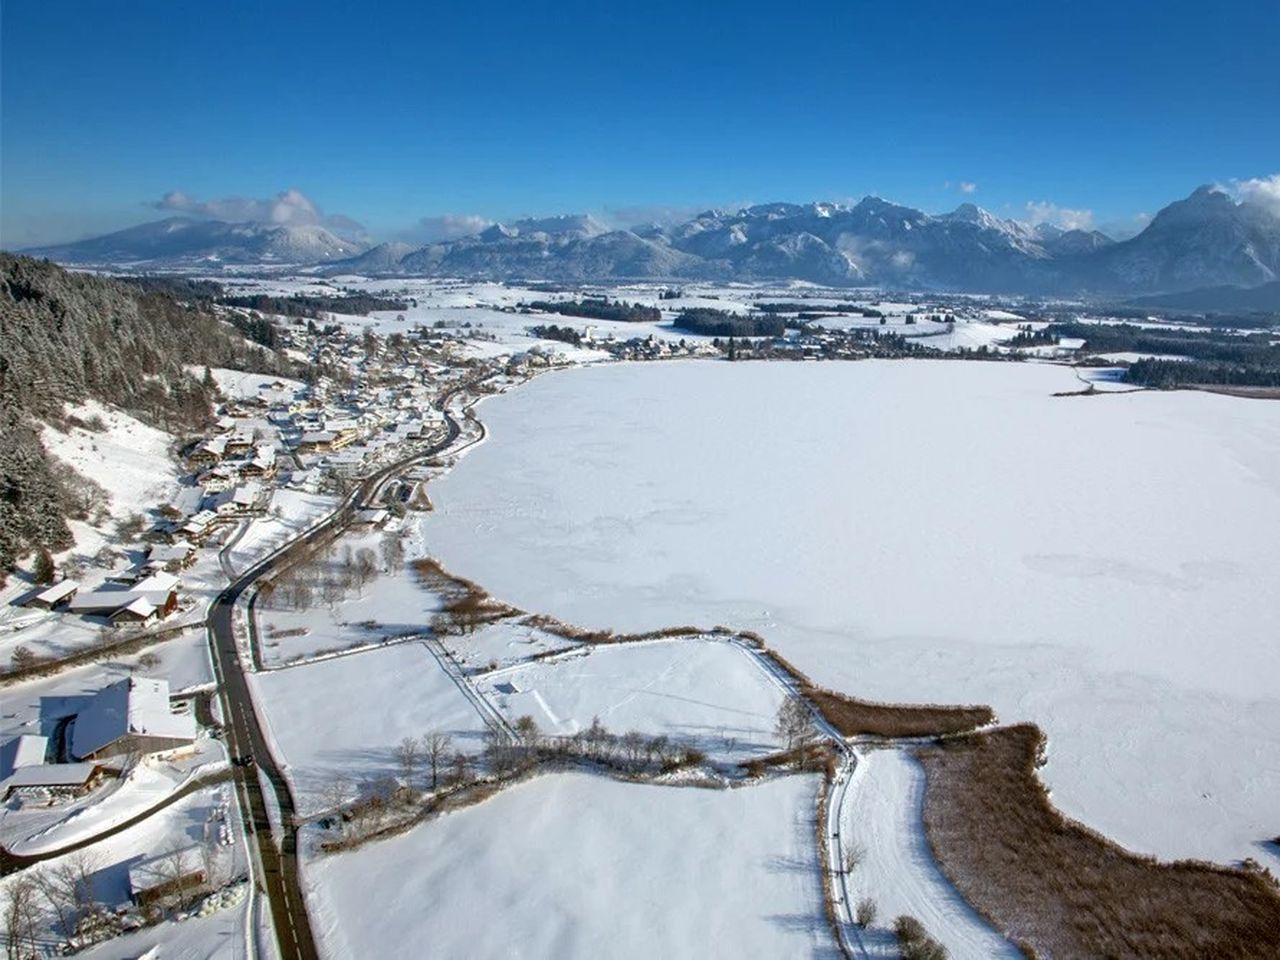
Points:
x=278, y=858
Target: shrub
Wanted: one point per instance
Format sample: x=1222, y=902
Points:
x=865, y=913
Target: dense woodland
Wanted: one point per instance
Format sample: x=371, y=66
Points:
x=303, y=305
x=721, y=323
x=68, y=337
x=600, y=309
x=1212, y=357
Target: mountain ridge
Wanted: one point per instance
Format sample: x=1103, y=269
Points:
x=1203, y=240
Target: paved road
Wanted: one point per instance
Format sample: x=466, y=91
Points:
x=279, y=876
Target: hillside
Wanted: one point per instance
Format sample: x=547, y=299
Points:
x=67, y=338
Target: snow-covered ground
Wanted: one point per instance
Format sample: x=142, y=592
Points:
x=940, y=531
x=391, y=605
x=882, y=820
x=131, y=461
x=503, y=644
x=199, y=818
x=29, y=829
x=340, y=719
x=707, y=693
x=572, y=865
x=290, y=513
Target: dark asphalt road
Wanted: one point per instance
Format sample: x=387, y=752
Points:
x=244, y=734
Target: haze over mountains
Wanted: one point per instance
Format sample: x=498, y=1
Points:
x=1205, y=240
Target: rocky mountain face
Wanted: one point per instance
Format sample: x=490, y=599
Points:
x=1206, y=240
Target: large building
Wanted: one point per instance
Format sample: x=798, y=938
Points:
x=130, y=716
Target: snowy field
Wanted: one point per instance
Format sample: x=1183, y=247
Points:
x=576, y=866
x=391, y=605
x=940, y=531
x=342, y=718
x=704, y=693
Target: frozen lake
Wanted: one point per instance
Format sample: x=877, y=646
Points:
x=1108, y=566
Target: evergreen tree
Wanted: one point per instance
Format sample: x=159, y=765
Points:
x=44, y=569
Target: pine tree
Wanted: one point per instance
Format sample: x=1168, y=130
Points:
x=44, y=571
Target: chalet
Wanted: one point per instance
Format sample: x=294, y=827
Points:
x=199, y=526
x=131, y=715
x=349, y=464
x=239, y=443
x=171, y=556
x=58, y=595
x=138, y=610
x=239, y=501
x=159, y=591
x=208, y=452
x=176, y=873
x=262, y=465
x=315, y=441
x=186, y=502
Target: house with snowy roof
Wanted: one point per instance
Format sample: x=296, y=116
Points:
x=132, y=715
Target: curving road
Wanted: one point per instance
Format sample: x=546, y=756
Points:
x=278, y=860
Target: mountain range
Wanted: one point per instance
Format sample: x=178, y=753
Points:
x=1205, y=240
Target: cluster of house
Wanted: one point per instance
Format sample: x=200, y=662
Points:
x=139, y=597
x=131, y=717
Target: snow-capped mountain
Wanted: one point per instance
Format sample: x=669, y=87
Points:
x=1208, y=239
x=188, y=241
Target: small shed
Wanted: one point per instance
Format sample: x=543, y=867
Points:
x=171, y=874
x=58, y=595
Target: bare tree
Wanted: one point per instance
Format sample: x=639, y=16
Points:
x=854, y=856
x=437, y=747
x=366, y=567
x=392, y=552
x=406, y=756
x=22, y=919
x=460, y=768
x=634, y=747
x=795, y=724
x=332, y=591
x=527, y=727
x=865, y=913
x=49, y=884
x=336, y=792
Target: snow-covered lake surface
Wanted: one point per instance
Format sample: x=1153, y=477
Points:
x=574, y=865
x=1108, y=567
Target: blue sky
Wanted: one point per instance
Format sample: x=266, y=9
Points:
x=389, y=113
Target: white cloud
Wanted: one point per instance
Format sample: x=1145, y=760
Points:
x=1042, y=211
x=968, y=187
x=287, y=208
x=1261, y=192
x=449, y=226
